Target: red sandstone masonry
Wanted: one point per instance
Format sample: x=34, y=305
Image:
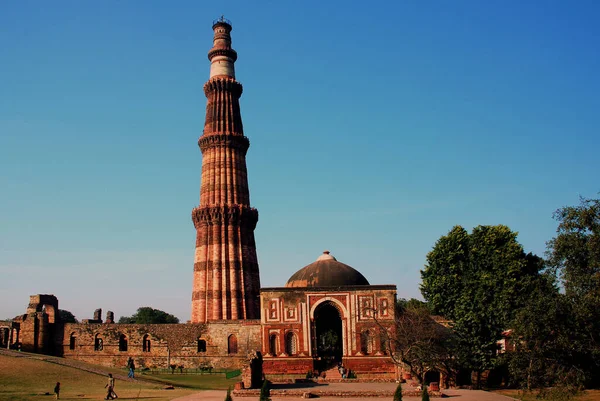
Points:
x=226, y=281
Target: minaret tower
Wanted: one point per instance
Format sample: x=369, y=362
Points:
x=226, y=280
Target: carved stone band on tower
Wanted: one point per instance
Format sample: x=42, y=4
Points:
x=226, y=280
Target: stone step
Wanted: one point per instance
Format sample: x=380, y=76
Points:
x=332, y=373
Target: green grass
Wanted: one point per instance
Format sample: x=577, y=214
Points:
x=26, y=379
x=196, y=382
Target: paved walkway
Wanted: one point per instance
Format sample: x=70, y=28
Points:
x=457, y=395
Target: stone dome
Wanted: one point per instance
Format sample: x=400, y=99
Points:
x=326, y=271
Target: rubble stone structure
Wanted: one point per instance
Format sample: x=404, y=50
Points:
x=226, y=281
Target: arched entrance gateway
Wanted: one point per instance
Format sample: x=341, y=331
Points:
x=327, y=336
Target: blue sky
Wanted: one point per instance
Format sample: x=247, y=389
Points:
x=375, y=127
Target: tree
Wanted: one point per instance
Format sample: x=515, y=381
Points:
x=403, y=303
x=398, y=393
x=574, y=254
x=228, y=396
x=424, y=394
x=66, y=316
x=417, y=341
x=479, y=281
x=545, y=354
x=148, y=315
x=575, y=251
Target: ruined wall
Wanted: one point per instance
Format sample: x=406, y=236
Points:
x=161, y=345
x=6, y=333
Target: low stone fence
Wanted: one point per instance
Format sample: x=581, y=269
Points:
x=312, y=393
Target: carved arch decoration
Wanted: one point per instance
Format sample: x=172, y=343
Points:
x=344, y=317
x=291, y=343
x=335, y=302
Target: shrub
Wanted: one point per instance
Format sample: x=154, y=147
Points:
x=424, y=394
x=265, y=393
x=228, y=396
x=398, y=393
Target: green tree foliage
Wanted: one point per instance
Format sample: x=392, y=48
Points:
x=398, y=393
x=148, y=315
x=265, y=392
x=424, y=394
x=66, y=316
x=413, y=303
x=575, y=255
x=479, y=281
x=545, y=354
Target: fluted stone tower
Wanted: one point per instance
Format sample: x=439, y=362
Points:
x=226, y=280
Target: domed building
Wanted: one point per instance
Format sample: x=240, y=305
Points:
x=327, y=313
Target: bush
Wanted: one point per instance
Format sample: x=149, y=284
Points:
x=265, y=393
x=228, y=396
x=398, y=393
x=424, y=394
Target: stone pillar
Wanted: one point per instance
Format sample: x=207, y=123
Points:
x=226, y=282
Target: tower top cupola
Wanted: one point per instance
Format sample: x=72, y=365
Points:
x=222, y=57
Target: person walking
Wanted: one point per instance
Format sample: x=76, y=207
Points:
x=57, y=390
x=131, y=366
x=110, y=386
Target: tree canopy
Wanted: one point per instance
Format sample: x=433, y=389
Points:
x=575, y=251
x=148, y=315
x=546, y=352
x=419, y=342
x=574, y=254
x=66, y=316
x=479, y=281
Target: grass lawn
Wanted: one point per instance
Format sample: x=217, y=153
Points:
x=30, y=379
x=588, y=395
x=196, y=382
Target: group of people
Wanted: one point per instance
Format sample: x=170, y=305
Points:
x=110, y=386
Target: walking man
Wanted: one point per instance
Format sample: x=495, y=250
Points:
x=110, y=386
x=131, y=366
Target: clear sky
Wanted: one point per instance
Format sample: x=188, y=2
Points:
x=375, y=127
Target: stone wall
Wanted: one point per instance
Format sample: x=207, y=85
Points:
x=161, y=345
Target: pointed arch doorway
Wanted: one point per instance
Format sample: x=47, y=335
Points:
x=327, y=336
